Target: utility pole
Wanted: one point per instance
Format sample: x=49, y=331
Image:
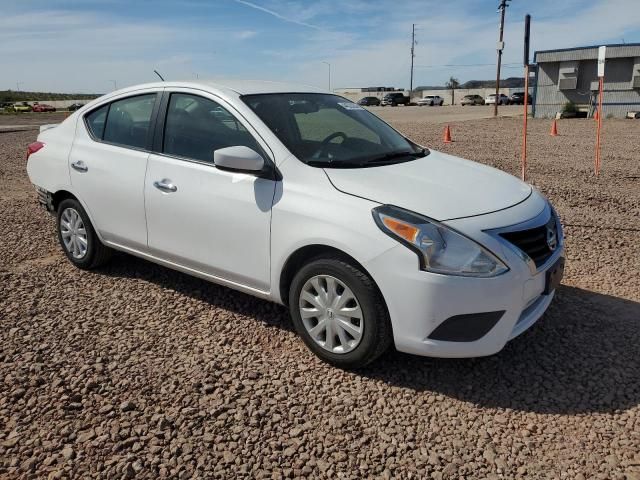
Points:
x=413, y=44
x=329, y=65
x=501, y=8
x=18, y=85
x=115, y=84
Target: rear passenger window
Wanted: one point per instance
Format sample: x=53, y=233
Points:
x=129, y=120
x=95, y=121
x=196, y=127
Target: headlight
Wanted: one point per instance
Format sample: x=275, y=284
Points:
x=440, y=249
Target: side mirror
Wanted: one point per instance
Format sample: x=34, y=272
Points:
x=241, y=159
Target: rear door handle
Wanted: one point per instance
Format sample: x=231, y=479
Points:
x=165, y=185
x=79, y=166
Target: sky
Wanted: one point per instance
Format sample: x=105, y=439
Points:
x=92, y=46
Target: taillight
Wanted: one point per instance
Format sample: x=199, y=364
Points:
x=33, y=148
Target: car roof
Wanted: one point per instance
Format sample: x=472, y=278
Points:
x=238, y=87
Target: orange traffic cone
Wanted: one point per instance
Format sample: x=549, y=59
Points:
x=596, y=115
x=554, y=129
x=447, y=135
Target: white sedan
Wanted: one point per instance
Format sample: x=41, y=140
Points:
x=491, y=99
x=308, y=200
x=431, y=100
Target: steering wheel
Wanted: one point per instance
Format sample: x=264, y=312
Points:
x=325, y=143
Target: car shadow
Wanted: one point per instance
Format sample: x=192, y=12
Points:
x=128, y=266
x=582, y=356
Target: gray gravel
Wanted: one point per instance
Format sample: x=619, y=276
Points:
x=139, y=371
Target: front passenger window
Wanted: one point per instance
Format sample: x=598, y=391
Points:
x=196, y=127
x=129, y=120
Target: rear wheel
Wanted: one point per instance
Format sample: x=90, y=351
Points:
x=78, y=238
x=339, y=313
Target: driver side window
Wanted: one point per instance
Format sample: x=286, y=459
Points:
x=195, y=127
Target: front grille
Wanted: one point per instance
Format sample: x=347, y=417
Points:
x=535, y=242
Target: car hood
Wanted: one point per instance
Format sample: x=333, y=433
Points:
x=440, y=186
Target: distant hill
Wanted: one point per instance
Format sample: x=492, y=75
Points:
x=14, y=96
x=511, y=82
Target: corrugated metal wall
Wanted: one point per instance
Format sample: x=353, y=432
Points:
x=618, y=99
x=587, y=53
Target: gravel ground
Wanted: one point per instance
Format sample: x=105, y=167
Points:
x=31, y=118
x=139, y=371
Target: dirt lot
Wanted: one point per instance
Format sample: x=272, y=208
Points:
x=447, y=113
x=444, y=114
x=139, y=371
x=31, y=118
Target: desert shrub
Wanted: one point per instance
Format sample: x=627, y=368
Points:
x=569, y=107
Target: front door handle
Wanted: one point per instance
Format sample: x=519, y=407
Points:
x=165, y=185
x=79, y=166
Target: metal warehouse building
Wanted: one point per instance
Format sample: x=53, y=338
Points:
x=571, y=75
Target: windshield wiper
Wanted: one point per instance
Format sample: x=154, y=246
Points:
x=392, y=157
x=331, y=163
x=386, y=159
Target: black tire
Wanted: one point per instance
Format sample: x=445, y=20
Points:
x=377, y=333
x=96, y=253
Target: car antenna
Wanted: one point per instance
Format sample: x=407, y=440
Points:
x=156, y=72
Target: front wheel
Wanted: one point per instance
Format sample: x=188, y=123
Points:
x=78, y=238
x=339, y=312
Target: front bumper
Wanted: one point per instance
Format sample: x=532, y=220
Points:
x=419, y=302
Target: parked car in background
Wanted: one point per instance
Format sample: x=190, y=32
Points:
x=431, y=100
x=22, y=107
x=394, y=99
x=43, y=107
x=75, y=106
x=472, y=100
x=491, y=99
x=517, y=98
x=369, y=101
x=6, y=106
x=309, y=200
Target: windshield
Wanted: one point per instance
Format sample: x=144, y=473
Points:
x=330, y=131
